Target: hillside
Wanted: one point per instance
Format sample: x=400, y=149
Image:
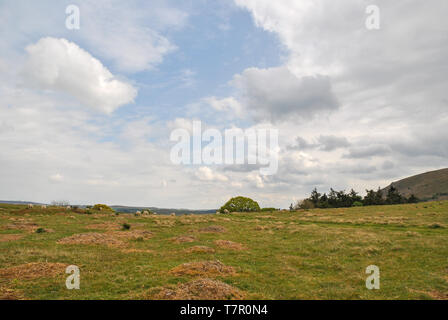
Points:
x=126, y=209
x=431, y=185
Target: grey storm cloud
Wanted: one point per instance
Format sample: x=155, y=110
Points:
x=330, y=143
x=434, y=144
x=359, y=169
x=276, y=94
x=367, y=152
x=323, y=143
x=242, y=167
x=388, y=165
x=301, y=144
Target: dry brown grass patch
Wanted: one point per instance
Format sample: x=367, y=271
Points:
x=22, y=224
x=437, y=295
x=165, y=222
x=10, y=294
x=103, y=226
x=200, y=249
x=92, y=238
x=113, y=239
x=183, y=239
x=226, y=244
x=133, y=234
x=33, y=270
x=199, y=289
x=203, y=268
x=10, y=237
x=132, y=250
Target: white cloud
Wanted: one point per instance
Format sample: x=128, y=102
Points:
x=276, y=94
x=181, y=123
x=256, y=180
x=94, y=167
x=390, y=119
x=207, y=174
x=388, y=84
x=131, y=34
x=62, y=66
x=229, y=104
x=56, y=178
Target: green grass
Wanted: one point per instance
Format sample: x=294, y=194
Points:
x=315, y=254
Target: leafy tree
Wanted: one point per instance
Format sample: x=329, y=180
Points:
x=413, y=199
x=354, y=196
x=323, y=201
x=393, y=196
x=379, y=200
x=370, y=198
x=332, y=199
x=373, y=198
x=240, y=204
x=315, y=196
x=341, y=199
x=344, y=200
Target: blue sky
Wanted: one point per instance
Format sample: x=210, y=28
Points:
x=86, y=115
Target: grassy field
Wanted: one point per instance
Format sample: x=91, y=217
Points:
x=316, y=254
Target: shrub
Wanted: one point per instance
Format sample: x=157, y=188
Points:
x=358, y=204
x=306, y=204
x=240, y=204
x=126, y=226
x=269, y=209
x=436, y=226
x=40, y=230
x=102, y=207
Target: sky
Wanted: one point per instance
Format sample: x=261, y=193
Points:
x=86, y=114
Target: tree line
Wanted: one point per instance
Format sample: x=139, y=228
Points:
x=342, y=199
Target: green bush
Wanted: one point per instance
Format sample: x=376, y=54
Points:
x=126, y=226
x=102, y=207
x=40, y=230
x=269, y=209
x=358, y=204
x=240, y=204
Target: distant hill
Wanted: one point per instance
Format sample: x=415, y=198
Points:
x=20, y=202
x=126, y=209
x=431, y=185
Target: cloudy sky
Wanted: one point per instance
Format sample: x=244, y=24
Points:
x=86, y=115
